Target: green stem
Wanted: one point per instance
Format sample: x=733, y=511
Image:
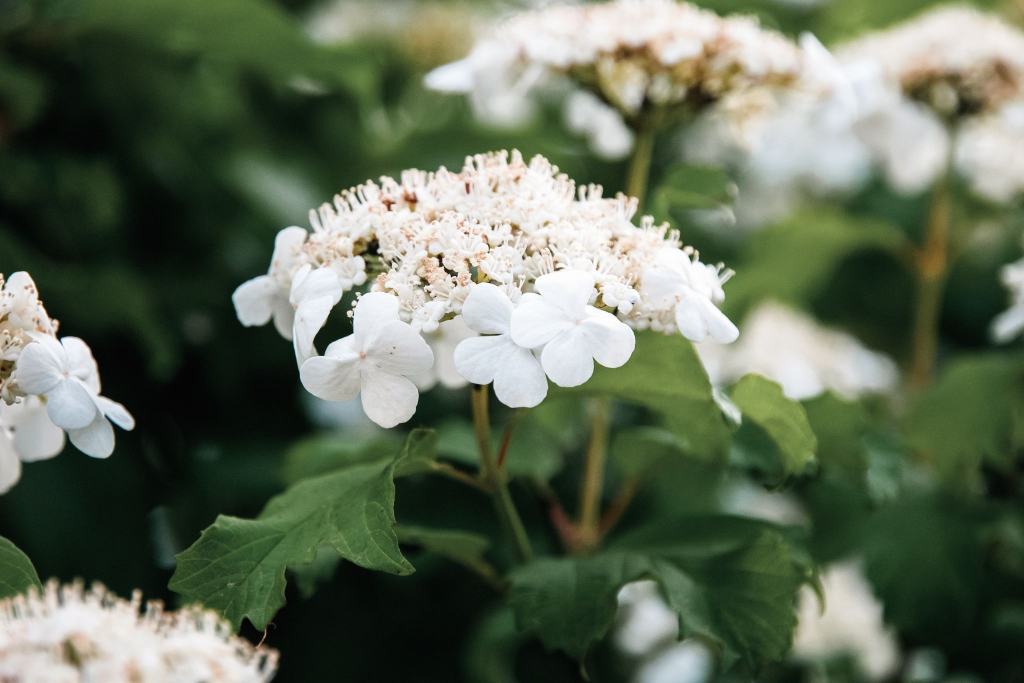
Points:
x=593, y=476
x=932, y=266
x=640, y=164
x=496, y=479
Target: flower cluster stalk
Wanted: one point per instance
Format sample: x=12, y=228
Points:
x=495, y=478
x=932, y=266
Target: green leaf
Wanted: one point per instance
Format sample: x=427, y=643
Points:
x=237, y=566
x=840, y=426
x=774, y=436
x=775, y=263
x=692, y=187
x=461, y=547
x=730, y=580
x=665, y=375
x=309, y=577
x=17, y=574
x=973, y=414
x=328, y=452
x=638, y=451
x=418, y=453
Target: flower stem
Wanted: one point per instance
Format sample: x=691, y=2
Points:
x=640, y=163
x=496, y=479
x=593, y=476
x=931, y=265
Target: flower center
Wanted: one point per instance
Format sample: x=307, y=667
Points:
x=362, y=355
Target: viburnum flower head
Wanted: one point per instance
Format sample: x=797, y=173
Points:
x=47, y=386
x=374, y=362
x=68, y=634
x=641, y=58
x=551, y=276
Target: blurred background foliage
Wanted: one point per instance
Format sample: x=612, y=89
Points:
x=150, y=151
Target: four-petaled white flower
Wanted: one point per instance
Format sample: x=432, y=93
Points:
x=267, y=296
x=695, y=288
x=314, y=293
x=375, y=361
x=573, y=333
x=65, y=373
x=518, y=377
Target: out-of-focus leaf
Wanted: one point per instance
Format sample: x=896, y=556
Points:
x=774, y=437
x=491, y=654
x=840, y=425
x=17, y=574
x=418, y=453
x=309, y=577
x=692, y=187
x=776, y=263
x=665, y=375
x=732, y=581
x=973, y=414
x=532, y=453
x=639, y=450
x=463, y=547
x=324, y=453
x=237, y=566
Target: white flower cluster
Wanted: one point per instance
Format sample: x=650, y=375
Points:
x=851, y=624
x=47, y=387
x=557, y=280
x=807, y=359
x=639, y=57
x=69, y=634
x=1010, y=323
x=955, y=59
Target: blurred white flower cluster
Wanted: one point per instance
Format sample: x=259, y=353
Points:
x=937, y=93
x=850, y=624
x=1010, y=323
x=69, y=634
x=47, y=387
x=805, y=358
x=568, y=277
x=635, y=58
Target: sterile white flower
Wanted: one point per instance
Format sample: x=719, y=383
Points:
x=851, y=623
x=1009, y=324
x=607, y=133
x=680, y=280
x=573, y=333
x=990, y=153
x=66, y=374
x=374, y=362
x=33, y=435
x=71, y=634
x=518, y=377
x=267, y=296
x=801, y=355
x=10, y=464
x=314, y=293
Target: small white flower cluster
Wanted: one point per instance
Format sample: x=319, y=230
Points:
x=807, y=359
x=1010, y=323
x=955, y=59
x=851, y=624
x=639, y=57
x=557, y=279
x=92, y=636
x=990, y=153
x=47, y=387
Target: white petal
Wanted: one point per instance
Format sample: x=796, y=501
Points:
x=611, y=340
x=487, y=309
x=34, y=436
x=10, y=466
x=570, y=290
x=116, y=412
x=96, y=439
x=520, y=381
x=690, y=317
x=388, y=399
x=310, y=285
x=719, y=326
x=41, y=366
x=662, y=285
x=373, y=309
x=284, y=316
x=536, y=322
x=254, y=300
x=309, y=318
x=70, y=405
x=396, y=347
x=286, y=248
x=81, y=364
x=479, y=358
x=332, y=378
x=1008, y=324
x=567, y=360
x=456, y=77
